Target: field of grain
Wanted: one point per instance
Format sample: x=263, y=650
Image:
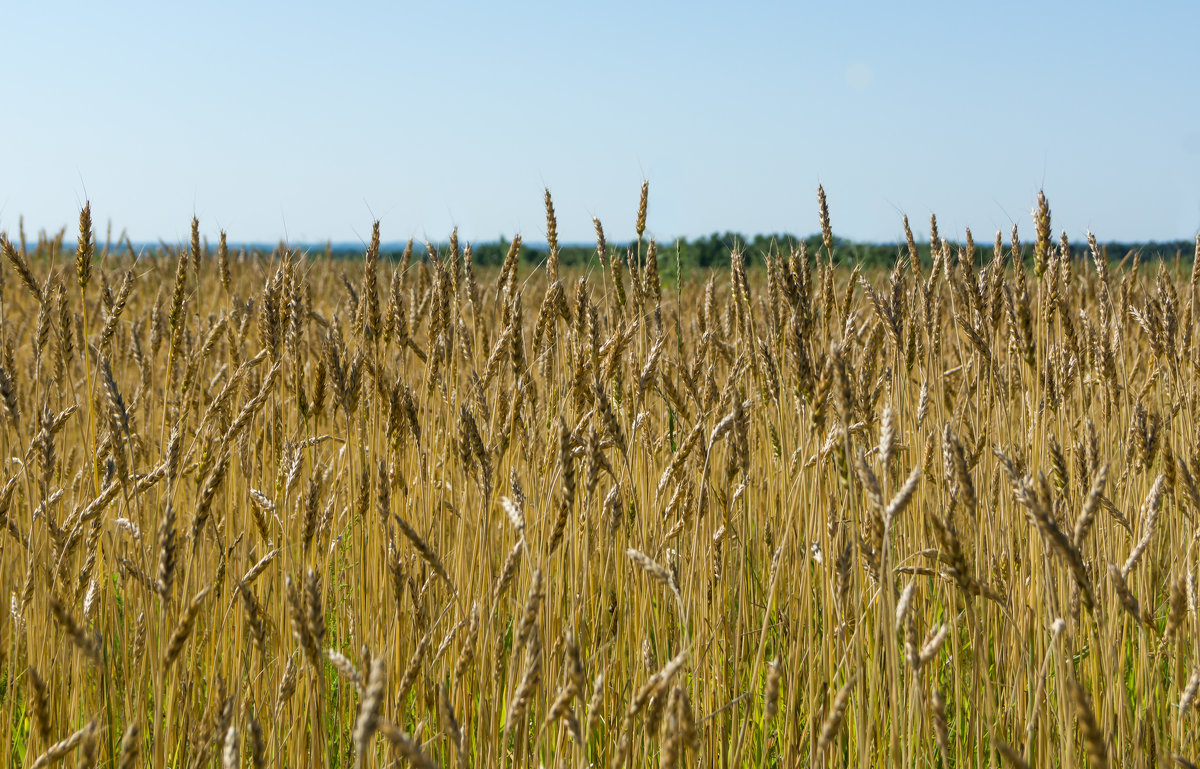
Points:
x=282, y=510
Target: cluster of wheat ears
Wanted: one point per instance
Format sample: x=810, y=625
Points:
x=284, y=510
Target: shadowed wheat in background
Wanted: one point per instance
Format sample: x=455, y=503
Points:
x=284, y=510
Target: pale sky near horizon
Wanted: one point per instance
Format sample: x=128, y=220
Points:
x=306, y=120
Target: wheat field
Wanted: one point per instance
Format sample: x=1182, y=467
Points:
x=285, y=510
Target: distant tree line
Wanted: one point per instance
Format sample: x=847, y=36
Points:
x=703, y=252
x=711, y=251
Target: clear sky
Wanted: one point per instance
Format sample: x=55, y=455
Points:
x=306, y=120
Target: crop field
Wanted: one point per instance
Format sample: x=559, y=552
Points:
x=279, y=509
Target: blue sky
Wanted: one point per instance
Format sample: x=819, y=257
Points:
x=306, y=120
